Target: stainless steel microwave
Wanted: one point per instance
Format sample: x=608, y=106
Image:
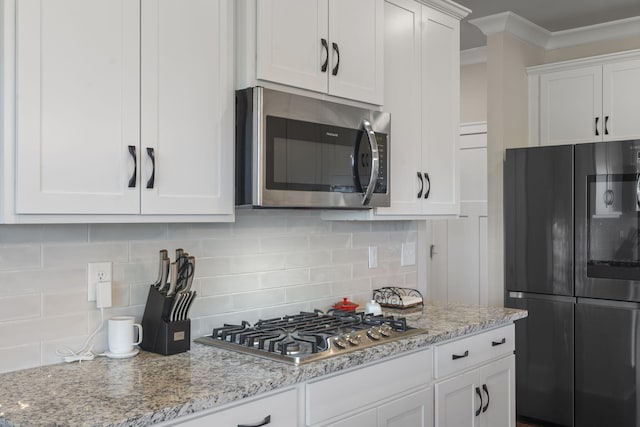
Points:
x=294, y=151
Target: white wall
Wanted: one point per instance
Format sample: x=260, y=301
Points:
x=266, y=264
x=473, y=93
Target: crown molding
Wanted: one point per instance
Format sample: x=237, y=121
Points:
x=509, y=22
x=619, y=29
x=528, y=31
x=476, y=55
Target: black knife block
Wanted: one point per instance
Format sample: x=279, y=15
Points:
x=159, y=335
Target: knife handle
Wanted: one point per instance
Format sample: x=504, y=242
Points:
x=174, y=279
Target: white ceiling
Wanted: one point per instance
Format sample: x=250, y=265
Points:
x=552, y=15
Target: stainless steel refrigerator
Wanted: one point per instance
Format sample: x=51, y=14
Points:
x=572, y=259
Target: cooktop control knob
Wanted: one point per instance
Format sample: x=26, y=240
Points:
x=353, y=338
x=374, y=333
x=385, y=330
x=341, y=341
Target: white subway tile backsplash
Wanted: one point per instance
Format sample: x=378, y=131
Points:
x=74, y=255
x=266, y=264
x=231, y=246
x=257, y=299
x=20, y=307
x=61, y=304
x=257, y=263
x=19, y=257
x=20, y=357
x=284, y=244
x=332, y=273
x=229, y=284
x=115, y=232
x=301, y=293
x=308, y=259
x=281, y=278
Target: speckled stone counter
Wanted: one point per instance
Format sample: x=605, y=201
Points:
x=149, y=388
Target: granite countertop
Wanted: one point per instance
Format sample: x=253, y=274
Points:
x=150, y=388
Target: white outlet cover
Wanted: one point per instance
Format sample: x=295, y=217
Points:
x=97, y=272
x=373, y=256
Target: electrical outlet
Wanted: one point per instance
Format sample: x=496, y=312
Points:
x=97, y=272
x=373, y=256
x=408, y=254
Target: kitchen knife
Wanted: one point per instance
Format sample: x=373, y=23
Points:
x=163, y=254
x=165, y=274
x=174, y=279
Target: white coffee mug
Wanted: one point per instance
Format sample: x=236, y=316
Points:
x=120, y=334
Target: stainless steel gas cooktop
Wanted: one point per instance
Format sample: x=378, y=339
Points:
x=310, y=336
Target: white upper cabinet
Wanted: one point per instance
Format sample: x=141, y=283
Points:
x=588, y=100
x=422, y=86
x=124, y=108
x=313, y=45
x=77, y=106
x=187, y=107
x=291, y=36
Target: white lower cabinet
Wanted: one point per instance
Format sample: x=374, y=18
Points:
x=476, y=381
x=276, y=410
x=390, y=393
x=481, y=397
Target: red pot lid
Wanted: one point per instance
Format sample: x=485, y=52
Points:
x=345, y=305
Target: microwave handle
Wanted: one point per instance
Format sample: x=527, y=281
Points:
x=375, y=162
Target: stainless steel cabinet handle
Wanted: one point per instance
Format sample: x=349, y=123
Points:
x=152, y=178
x=325, y=45
x=335, y=69
x=421, y=185
x=460, y=356
x=267, y=420
x=428, y=180
x=486, y=390
x=375, y=162
x=134, y=176
x=480, y=396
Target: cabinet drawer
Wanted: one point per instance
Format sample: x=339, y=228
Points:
x=343, y=393
x=460, y=354
x=281, y=408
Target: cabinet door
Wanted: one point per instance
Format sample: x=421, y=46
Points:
x=78, y=94
x=414, y=410
x=289, y=42
x=456, y=401
x=356, y=49
x=187, y=107
x=440, y=111
x=571, y=106
x=621, y=100
x=498, y=389
x=402, y=100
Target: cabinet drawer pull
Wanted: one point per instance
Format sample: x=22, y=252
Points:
x=335, y=69
x=597, y=133
x=428, y=180
x=325, y=45
x=421, y=185
x=134, y=176
x=480, y=396
x=267, y=420
x=497, y=343
x=460, y=356
x=152, y=155
x=486, y=390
